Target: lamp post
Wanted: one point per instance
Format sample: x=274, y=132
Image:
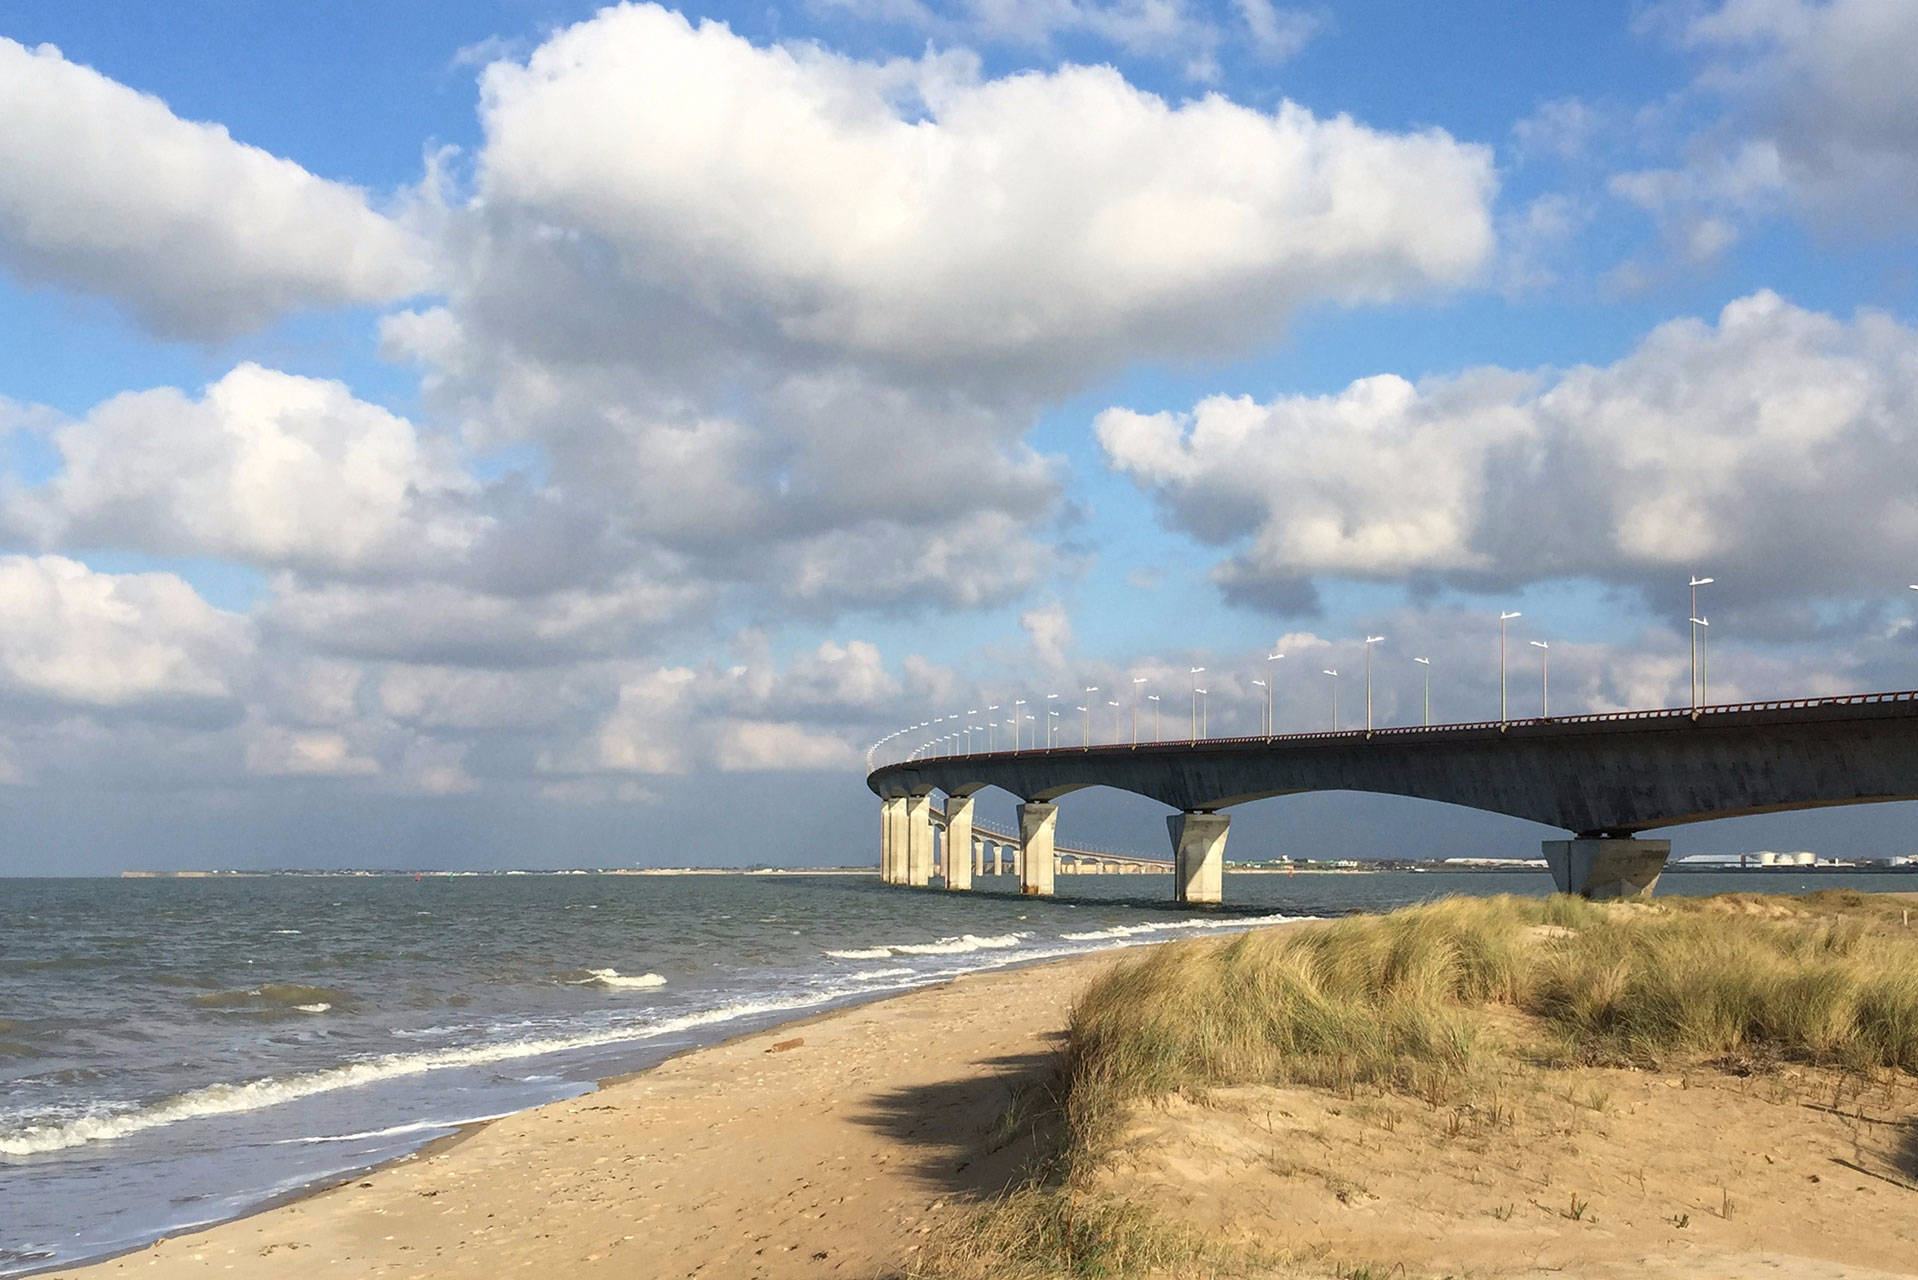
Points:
x=1090, y=690
x=1544, y=678
x=1702, y=629
x=1114, y=704
x=1503, y=618
x=1136, y=682
x=1270, y=658
x=1153, y=698
x=1369, y=642
x=1697, y=582
x=1335, y=698
x=1427, y=664
x=1051, y=714
x=1016, y=704
x=1196, y=691
x=1267, y=721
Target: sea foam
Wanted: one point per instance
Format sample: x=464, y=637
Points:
x=962, y=945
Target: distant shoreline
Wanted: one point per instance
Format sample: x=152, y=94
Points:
x=1860, y=868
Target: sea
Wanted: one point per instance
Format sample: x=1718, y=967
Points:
x=176, y=1052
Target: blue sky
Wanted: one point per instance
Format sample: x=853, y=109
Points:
x=593, y=416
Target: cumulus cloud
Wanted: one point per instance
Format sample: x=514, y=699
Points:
x=915, y=213
x=112, y=642
x=1775, y=445
x=108, y=192
x=263, y=467
x=1821, y=113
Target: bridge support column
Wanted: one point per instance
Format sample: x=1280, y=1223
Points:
x=1198, y=856
x=892, y=840
x=919, y=840
x=1037, y=822
x=1606, y=868
x=958, y=842
x=998, y=858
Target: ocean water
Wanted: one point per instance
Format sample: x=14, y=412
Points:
x=175, y=1052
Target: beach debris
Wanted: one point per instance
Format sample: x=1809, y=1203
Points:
x=784, y=1045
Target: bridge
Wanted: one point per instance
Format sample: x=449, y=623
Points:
x=997, y=853
x=1603, y=778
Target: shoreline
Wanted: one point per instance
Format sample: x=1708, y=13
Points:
x=1015, y=1007
x=439, y=1146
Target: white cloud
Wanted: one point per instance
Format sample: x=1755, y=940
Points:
x=1776, y=446
x=1821, y=111
x=108, y=192
x=913, y=213
x=275, y=751
x=264, y=467
x=140, y=641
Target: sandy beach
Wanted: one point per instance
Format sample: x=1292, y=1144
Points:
x=832, y=1147
x=824, y=1148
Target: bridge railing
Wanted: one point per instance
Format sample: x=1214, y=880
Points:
x=1414, y=730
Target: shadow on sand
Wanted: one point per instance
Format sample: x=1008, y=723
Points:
x=975, y=1137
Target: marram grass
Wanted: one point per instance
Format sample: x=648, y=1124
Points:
x=1429, y=1000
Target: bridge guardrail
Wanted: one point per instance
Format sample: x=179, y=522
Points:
x=1599, y=717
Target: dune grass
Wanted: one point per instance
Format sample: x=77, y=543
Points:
x=1432, y=1000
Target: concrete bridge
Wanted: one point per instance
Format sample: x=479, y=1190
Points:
x=959, y=855
x=1603, y=778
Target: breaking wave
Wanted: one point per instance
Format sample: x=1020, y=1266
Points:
x=253, y=1095
x=614, y=978
x=962, y=945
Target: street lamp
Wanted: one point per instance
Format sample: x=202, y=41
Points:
x=1153, y=698
x=1050, y=713
x=1369, y=642
x=1697, y=693
x=1267, y=722
x=1702, y=637
x=1270, y=658
x=992, y=723
x=1335, y=698
x=1136, y=682
x=1114, y=702
x=1503, y=618
x=1090, y=690
x=1196, y=691
x=1016, y=704
x=1544, y=678
x=1427, y=664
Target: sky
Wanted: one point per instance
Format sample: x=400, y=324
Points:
x=532, y=434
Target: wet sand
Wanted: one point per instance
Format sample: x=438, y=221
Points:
x=823, y=1148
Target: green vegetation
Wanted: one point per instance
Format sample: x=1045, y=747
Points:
x=1432, y=1001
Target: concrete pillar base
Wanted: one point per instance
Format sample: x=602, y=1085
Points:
x=892, y=840
x=1037, y=822
x=1198, y=856
x=958, y=842
x=1607, y=868
x=919, y=840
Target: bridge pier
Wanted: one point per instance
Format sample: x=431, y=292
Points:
x=1198, y=856
x=892, y=840
x=1037, y=823
x=1602, y=867
x=919, y=840
x=958, y=842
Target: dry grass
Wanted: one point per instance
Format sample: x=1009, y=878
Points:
x=1434, y=1000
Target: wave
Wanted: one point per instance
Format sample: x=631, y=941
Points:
x=393, y=1131
x=1165, y=926
x=272, y=1091
x=874, y=975
x=273, y=997
x=614, y=978
x=962, y=945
